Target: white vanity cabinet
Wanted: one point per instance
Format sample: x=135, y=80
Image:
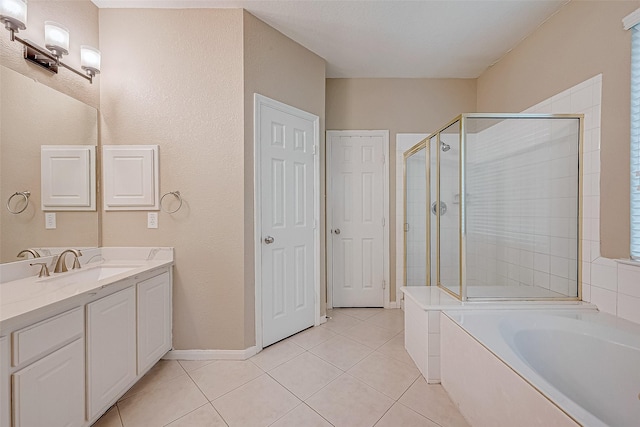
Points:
x=5, y=385
x=111, y=348
x=47, y=385
x=154, y=319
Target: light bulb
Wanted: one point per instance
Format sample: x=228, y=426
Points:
x=13, y=14
x=56, y=38
x=90, y=60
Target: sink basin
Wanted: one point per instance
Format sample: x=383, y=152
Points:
x=93, y=274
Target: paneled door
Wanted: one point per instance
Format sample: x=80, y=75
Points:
x=356, y=207
x=287, y=185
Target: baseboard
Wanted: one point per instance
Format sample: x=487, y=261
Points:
x=393, y=304
x=323, y=319
x=211, y=354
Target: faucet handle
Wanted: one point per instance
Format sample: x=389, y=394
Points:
x=76, y=263
x=44, y=271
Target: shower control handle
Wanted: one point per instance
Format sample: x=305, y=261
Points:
x=443, y=208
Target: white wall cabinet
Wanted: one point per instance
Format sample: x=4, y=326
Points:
x=111, y=348
x=50, y=392
x=154, y=319
x=68, y=177
x=130, y=177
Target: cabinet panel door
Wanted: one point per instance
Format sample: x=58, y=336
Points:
x=5, y=385
x=50, y=392
x=154, y=320
x=111, y=348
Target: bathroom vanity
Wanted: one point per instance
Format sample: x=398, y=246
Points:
x=73, y=343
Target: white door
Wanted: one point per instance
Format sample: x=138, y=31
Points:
x=287, y=183
x=357, y=217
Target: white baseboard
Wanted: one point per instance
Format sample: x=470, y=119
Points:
x=211, y=354
x=393, y=304
x=323, y=319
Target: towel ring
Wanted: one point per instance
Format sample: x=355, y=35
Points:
x=24, y=194
x=175, y=194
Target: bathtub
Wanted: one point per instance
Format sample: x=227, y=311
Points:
x=585, y=363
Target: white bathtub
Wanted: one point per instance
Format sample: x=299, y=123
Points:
x=586, y=363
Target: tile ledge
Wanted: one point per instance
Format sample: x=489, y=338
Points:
x=632, y=262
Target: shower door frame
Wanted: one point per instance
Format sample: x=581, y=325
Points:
x=462, y=238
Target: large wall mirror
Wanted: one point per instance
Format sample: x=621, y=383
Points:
x=32, y=115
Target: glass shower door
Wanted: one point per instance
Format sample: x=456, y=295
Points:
x=416, y=216
x=448, y=211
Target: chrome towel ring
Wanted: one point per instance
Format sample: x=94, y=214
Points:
x=175, y=194
x=25, y=195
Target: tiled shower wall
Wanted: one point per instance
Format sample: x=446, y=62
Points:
x=614, y=286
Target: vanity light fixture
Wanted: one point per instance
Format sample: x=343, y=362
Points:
x=13, y=14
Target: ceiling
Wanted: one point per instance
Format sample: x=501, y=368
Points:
x=391, y=38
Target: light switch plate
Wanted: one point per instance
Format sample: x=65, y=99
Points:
x=152, y=219
x=50, y=220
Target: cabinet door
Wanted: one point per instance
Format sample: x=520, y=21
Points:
x=5, y=385
x=50, y=392
x=111, y=348
x=154, y=320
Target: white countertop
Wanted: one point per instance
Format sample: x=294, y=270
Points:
x=26, y=295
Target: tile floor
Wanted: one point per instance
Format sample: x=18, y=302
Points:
x=352, y=371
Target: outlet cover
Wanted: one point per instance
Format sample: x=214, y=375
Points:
x=50, y=220
x=152, y=219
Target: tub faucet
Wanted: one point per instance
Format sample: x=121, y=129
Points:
x=24, y=252
x=61, y=265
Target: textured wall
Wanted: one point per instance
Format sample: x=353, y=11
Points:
x=279, y=68
x=583, y=39
x=402, y=106
x=175, y=78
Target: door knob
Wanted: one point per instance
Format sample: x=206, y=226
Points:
x=269, y=240
x=337, y=231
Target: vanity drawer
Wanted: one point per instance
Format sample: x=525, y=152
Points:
x=38, y=340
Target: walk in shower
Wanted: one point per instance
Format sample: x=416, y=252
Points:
x=492, y=207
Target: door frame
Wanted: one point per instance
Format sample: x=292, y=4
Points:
x=258, y=102
x=386, y=255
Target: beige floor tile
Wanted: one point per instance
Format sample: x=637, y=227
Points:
x=110, y=419
x=389, y=319
x=359, y=313
x=204, y=416
x=370, y=335
x=340, y=323
x=312, y=337
x=219, y=378
x=305, y=374
x=302, y=416
x=341, y=352
x=257, y=403
x=192, y=365
x=400, y=415
x=164, y=370
x=386, y=375
x=395, y=349
x=432, y=401
x=348, y=402
x=277, y=354
x=161, y=404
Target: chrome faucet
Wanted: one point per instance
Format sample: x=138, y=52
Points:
x=61, y=265
x=24, y=253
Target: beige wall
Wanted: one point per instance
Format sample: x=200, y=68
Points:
x=279, y=68
x=583, y=39
x=175, y=78
x=401, y=106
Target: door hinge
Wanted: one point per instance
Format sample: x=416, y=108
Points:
x=384, y=159
x=384, y=284
x=315, y=150
x=406, y=226
x=384, y=221
x=315, y=224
